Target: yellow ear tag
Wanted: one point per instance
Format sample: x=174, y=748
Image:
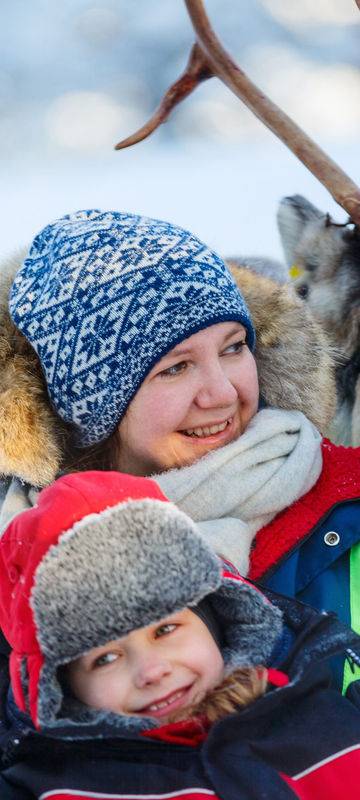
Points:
x=296, y=271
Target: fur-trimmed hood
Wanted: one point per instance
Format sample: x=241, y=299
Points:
x=292, y=354
x=62, y=592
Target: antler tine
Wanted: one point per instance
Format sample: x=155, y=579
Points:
x=341, y=187
x=197, y=70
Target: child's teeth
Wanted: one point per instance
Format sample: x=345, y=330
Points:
x=163, y=703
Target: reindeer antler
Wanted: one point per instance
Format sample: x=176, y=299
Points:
x=209, y=58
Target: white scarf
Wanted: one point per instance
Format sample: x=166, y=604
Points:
x=232, y=492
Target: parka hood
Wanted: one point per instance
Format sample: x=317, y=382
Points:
x=292, y=353
x=102, y=554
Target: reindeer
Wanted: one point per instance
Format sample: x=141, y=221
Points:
x=328, y=254
x=325, y=258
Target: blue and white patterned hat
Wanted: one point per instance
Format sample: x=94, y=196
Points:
x=102, y=296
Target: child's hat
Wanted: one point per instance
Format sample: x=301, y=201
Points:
x=100, y=555
x=102, y=296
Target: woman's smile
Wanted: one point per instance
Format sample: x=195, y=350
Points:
x=208, y=430
x=201, y=439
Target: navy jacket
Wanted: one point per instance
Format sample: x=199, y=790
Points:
x=324, y=571
x=311, y=551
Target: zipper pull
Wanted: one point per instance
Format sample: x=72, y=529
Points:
x=352, y=658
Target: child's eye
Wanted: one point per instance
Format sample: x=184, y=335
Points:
x=107, y=658
x=237, y=347
x=162, y=630
x=175, y=369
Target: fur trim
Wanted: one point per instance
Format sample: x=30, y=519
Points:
x=29, y=446
x=294, y=358
x=292, y=353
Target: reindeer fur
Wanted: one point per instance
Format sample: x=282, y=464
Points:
x=292, y=353
x=329, y=256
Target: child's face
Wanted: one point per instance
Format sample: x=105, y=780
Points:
x=154, y=671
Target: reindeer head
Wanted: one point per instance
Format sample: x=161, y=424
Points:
x=326, y=257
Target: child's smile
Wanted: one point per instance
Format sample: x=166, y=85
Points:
x=166, y=705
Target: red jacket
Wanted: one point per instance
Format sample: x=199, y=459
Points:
x=339, y=481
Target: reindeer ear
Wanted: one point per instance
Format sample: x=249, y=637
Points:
x=293, y=355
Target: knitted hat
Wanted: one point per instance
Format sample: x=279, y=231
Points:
x=100, y=555
x=102, y=296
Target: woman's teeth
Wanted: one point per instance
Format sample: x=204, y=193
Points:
x=163, y=703
x=208, y=431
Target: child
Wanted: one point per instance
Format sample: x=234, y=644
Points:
x=139, y=661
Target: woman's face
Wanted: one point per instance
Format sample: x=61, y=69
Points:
x=198, y=397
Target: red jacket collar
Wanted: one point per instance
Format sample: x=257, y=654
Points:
x=188, y=731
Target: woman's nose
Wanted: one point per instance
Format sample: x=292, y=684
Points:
x=150, y=670
x=216, y=388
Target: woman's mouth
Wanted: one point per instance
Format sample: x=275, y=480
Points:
x=208, y=430
x=166, y=705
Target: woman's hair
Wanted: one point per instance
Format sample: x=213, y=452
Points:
x=237, y=691
x=102, y=456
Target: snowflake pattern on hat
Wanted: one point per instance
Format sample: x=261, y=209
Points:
x=102, y=296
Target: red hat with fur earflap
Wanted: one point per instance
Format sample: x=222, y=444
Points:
x=100, y=555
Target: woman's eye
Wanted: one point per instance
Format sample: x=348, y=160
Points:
x=237, y=347
x=164, y=629
x=175, y=369
x=107, y=658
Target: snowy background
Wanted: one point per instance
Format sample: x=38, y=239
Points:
x=77, y=76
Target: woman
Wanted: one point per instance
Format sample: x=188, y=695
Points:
x=140, y=338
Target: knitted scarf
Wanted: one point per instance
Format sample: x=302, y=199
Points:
x=234, y=491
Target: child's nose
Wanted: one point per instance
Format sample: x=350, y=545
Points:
x=150, y=670
x=216, y=388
